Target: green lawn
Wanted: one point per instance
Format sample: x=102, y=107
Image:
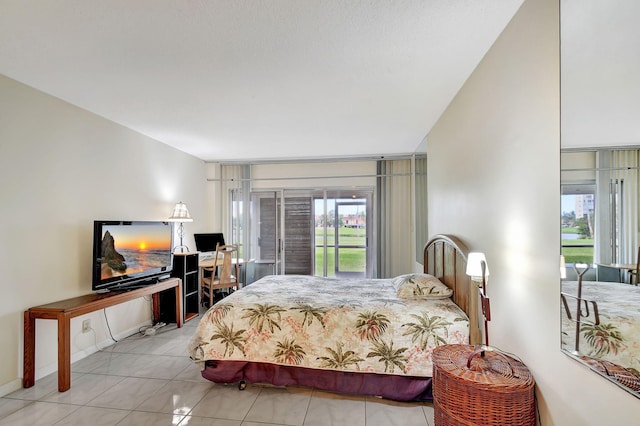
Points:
x=577, y=254
x=570, y=230
x=346, y=236
x=351, y=259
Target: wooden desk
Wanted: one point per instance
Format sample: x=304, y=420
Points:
x=623, y=266
x=620, y=267
x=64, y=310
x=208, y=262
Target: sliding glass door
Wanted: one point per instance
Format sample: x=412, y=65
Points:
x=342, y=231
x=265, y=238
x=305, y=232
x=351, y=239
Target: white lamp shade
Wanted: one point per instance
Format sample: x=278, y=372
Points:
x=180, y=213
x=563, y=268
x=474, y=265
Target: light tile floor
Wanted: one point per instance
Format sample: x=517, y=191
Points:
x=149, y=380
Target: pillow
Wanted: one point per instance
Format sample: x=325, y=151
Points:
x=420, y=286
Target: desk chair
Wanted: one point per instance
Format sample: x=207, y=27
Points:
x=222, y=275
x=634, y=273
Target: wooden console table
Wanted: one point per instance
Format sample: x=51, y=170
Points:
x=64, y=310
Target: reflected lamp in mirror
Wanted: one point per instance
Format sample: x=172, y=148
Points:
x=478, y=270
x=180, y=215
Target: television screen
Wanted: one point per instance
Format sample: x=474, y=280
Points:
x=130, y=253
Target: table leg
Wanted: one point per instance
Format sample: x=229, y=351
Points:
x=29, y=361
x=64, y=353
x=179, y=307
x=155, y=307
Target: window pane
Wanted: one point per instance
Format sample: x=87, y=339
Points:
x=578, y=212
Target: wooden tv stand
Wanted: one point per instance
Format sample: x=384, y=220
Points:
x=64, y=310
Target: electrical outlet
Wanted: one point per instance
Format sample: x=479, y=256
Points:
x=86, y=326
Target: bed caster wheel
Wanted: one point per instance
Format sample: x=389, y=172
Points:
x=242, y=385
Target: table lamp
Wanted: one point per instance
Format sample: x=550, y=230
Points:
x=478, y=270
x=180, y=215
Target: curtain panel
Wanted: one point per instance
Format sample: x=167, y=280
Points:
x=625, y=173
x=394, y=193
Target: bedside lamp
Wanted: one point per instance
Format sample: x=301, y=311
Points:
x=180, y=215
x=478, y=270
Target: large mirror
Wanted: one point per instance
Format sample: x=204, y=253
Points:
x=600, y=186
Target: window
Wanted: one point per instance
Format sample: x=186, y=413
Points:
x=578, y=223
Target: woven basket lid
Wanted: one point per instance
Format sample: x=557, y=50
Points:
x=489, y=368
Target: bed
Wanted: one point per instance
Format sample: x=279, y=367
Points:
x=367, y=336
x=611, y=344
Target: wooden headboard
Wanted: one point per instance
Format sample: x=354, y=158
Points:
x=445, y=257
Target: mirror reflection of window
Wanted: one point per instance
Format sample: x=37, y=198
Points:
x=578, y=223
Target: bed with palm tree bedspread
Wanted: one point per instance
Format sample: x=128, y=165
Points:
x=614, y=337
x=365, y=336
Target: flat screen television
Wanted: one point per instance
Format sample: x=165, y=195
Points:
x=130, y=253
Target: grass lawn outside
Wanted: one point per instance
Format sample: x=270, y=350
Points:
x=574, y=254
x=352, y=259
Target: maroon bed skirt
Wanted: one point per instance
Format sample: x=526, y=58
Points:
x=399, y=388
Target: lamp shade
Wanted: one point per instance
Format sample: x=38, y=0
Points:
x=563, y=268
x=180, y=213
x=474, y=265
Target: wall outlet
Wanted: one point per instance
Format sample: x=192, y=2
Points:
x=86, y=326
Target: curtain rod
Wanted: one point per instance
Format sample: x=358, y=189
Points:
x=312, y=177
x=293, y=160
x=604, y=169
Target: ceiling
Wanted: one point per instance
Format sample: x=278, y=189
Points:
x=256, y=80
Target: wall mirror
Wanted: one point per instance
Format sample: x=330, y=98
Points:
x=600, y=187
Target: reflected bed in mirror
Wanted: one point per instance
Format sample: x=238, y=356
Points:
x=608, y=319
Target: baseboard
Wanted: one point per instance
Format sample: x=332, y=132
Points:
x=12, y=386
x=83, y=353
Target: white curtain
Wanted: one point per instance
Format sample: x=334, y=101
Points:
x=394, y=218
x=421, y=213
x=624, y=165
x=230, y=182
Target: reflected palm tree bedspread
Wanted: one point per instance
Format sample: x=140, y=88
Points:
x=617, y=338
x=334, y=324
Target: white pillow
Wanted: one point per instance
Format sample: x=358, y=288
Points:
x=420, y=286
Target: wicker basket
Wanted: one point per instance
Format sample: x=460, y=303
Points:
x=615, y=372
x=473, y=388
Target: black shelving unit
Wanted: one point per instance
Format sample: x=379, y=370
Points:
x=185, y=267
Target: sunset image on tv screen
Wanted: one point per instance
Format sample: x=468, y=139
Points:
x=132, y=249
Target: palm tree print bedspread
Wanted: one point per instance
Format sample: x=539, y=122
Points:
x=313, y=322
x=617, y=337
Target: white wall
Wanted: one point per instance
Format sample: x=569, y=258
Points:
x=269, y=176
x=61, y=168
x=494, y=161
x=600, y=69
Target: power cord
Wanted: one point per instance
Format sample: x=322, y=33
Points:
x=108, y=327
x=151, y=331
